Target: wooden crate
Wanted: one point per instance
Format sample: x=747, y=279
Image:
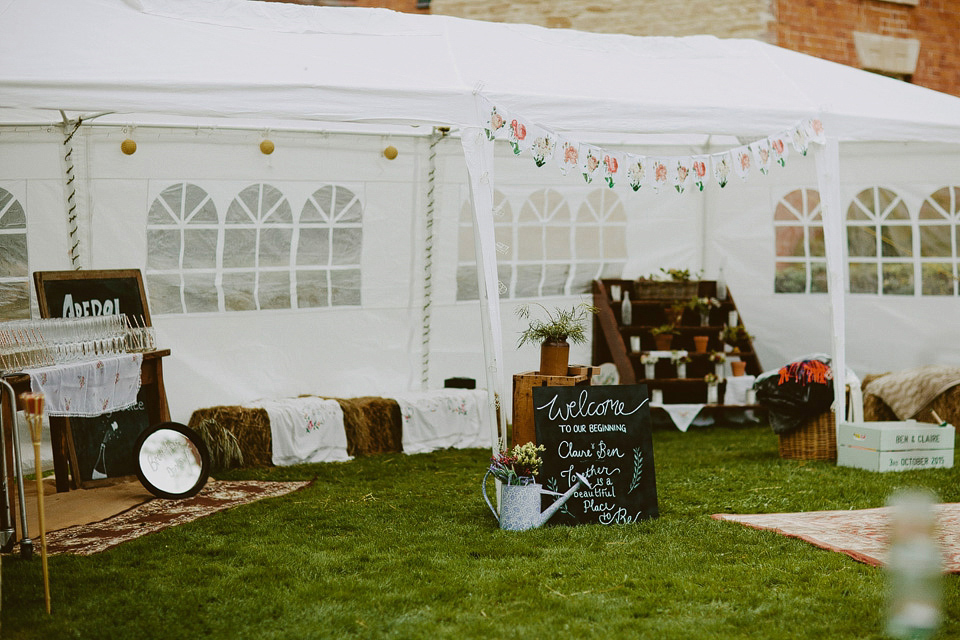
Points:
x=523, y=429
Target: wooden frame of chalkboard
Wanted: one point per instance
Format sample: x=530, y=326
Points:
x=66, y=294
x=92, y=441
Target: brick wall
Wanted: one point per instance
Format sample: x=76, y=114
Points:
x=724, y=18
x=824, y=28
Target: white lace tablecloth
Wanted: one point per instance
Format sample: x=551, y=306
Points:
x=305, y=430
x=89, y=388
x=432, y=420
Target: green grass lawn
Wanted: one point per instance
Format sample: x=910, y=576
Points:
x=404, y=546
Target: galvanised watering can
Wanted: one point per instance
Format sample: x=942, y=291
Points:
x=520, y=504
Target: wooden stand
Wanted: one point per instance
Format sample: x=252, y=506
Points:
x=611, y=339
x=523, y=430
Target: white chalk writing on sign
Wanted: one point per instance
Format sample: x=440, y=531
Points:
x=108, y=307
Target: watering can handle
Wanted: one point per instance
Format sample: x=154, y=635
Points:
x=483, y=487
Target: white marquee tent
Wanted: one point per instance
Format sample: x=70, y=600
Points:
x=199, y=85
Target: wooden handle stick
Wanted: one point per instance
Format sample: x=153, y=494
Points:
x=33, y=408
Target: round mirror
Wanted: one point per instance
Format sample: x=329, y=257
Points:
x=172, y=460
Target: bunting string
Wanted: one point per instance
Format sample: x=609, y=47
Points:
x=616, y=169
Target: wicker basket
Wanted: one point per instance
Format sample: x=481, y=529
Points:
x=815, y=440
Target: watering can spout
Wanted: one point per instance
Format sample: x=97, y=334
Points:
x=552, y=509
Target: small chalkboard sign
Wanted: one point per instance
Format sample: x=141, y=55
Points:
x=105, y=446
x=603, y=433
x=71, y=294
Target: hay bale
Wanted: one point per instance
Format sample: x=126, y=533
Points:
x=250, y=426
x=947, y=406
x=373, y=425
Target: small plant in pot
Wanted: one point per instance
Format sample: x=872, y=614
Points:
x=553, y=334
x=733, y=335
x=703, y=305
x=663, y=336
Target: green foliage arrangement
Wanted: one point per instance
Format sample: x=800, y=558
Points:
x=517, y=466
x=560, y=324
x=663, y=329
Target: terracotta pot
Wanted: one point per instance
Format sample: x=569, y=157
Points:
x=738, y=367
x=663, y=341
x=554, y=357
x=700, y=343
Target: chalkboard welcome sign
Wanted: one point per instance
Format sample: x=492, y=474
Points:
x=604, y=434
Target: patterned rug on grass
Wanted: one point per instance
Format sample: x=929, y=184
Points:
x=157, y=514
x=861, y=534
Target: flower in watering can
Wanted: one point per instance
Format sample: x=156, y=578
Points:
x=517, y=466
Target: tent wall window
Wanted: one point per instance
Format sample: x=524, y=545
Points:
x=801, y=258
x=260, y=256
x=553, y=246
x=14, y=271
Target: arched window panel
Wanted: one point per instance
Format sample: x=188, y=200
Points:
x=799, y=245
x=14, y=265
x=329, y=248
x=880, y=243
x=182, y=241
x=239, y=248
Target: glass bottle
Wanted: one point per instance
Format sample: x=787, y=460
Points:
x=626, y=309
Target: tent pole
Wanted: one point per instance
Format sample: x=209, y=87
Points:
x=478, y=153
x=827, y=157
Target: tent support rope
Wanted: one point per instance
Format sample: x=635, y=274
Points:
x=70, y=128
x=438, y=134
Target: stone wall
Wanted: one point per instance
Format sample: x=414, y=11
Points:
x=724, y=18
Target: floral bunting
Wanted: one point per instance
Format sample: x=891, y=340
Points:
x=681, y=177
x=567, y=155
x=618, y=169
x=721, y=167
x=590, y=162
x=611, y=168
x=742, y=160
x=636, y=171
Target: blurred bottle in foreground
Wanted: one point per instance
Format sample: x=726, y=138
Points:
x=914, y=566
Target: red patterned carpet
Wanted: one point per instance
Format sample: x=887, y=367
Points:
x=861, y=534
x=158, y=514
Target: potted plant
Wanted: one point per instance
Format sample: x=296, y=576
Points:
x=674, y=313
x=553, y=333
x=700, y=343
x=663, y=336
x=732, y=336
x=703, y=305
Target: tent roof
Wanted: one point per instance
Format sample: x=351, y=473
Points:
x=282, y=62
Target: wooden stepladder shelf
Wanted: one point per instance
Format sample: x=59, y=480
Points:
x=523, y=430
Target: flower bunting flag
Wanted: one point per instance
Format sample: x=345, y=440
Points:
x=590, y=162
x=636, y=171
x=617, y=169
x=610, y=169
x=721, y=167
x=699, y=165
x=660, y=173
x=567, y=155
x=761, y=155
x=681, y=176
x=742, y=162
